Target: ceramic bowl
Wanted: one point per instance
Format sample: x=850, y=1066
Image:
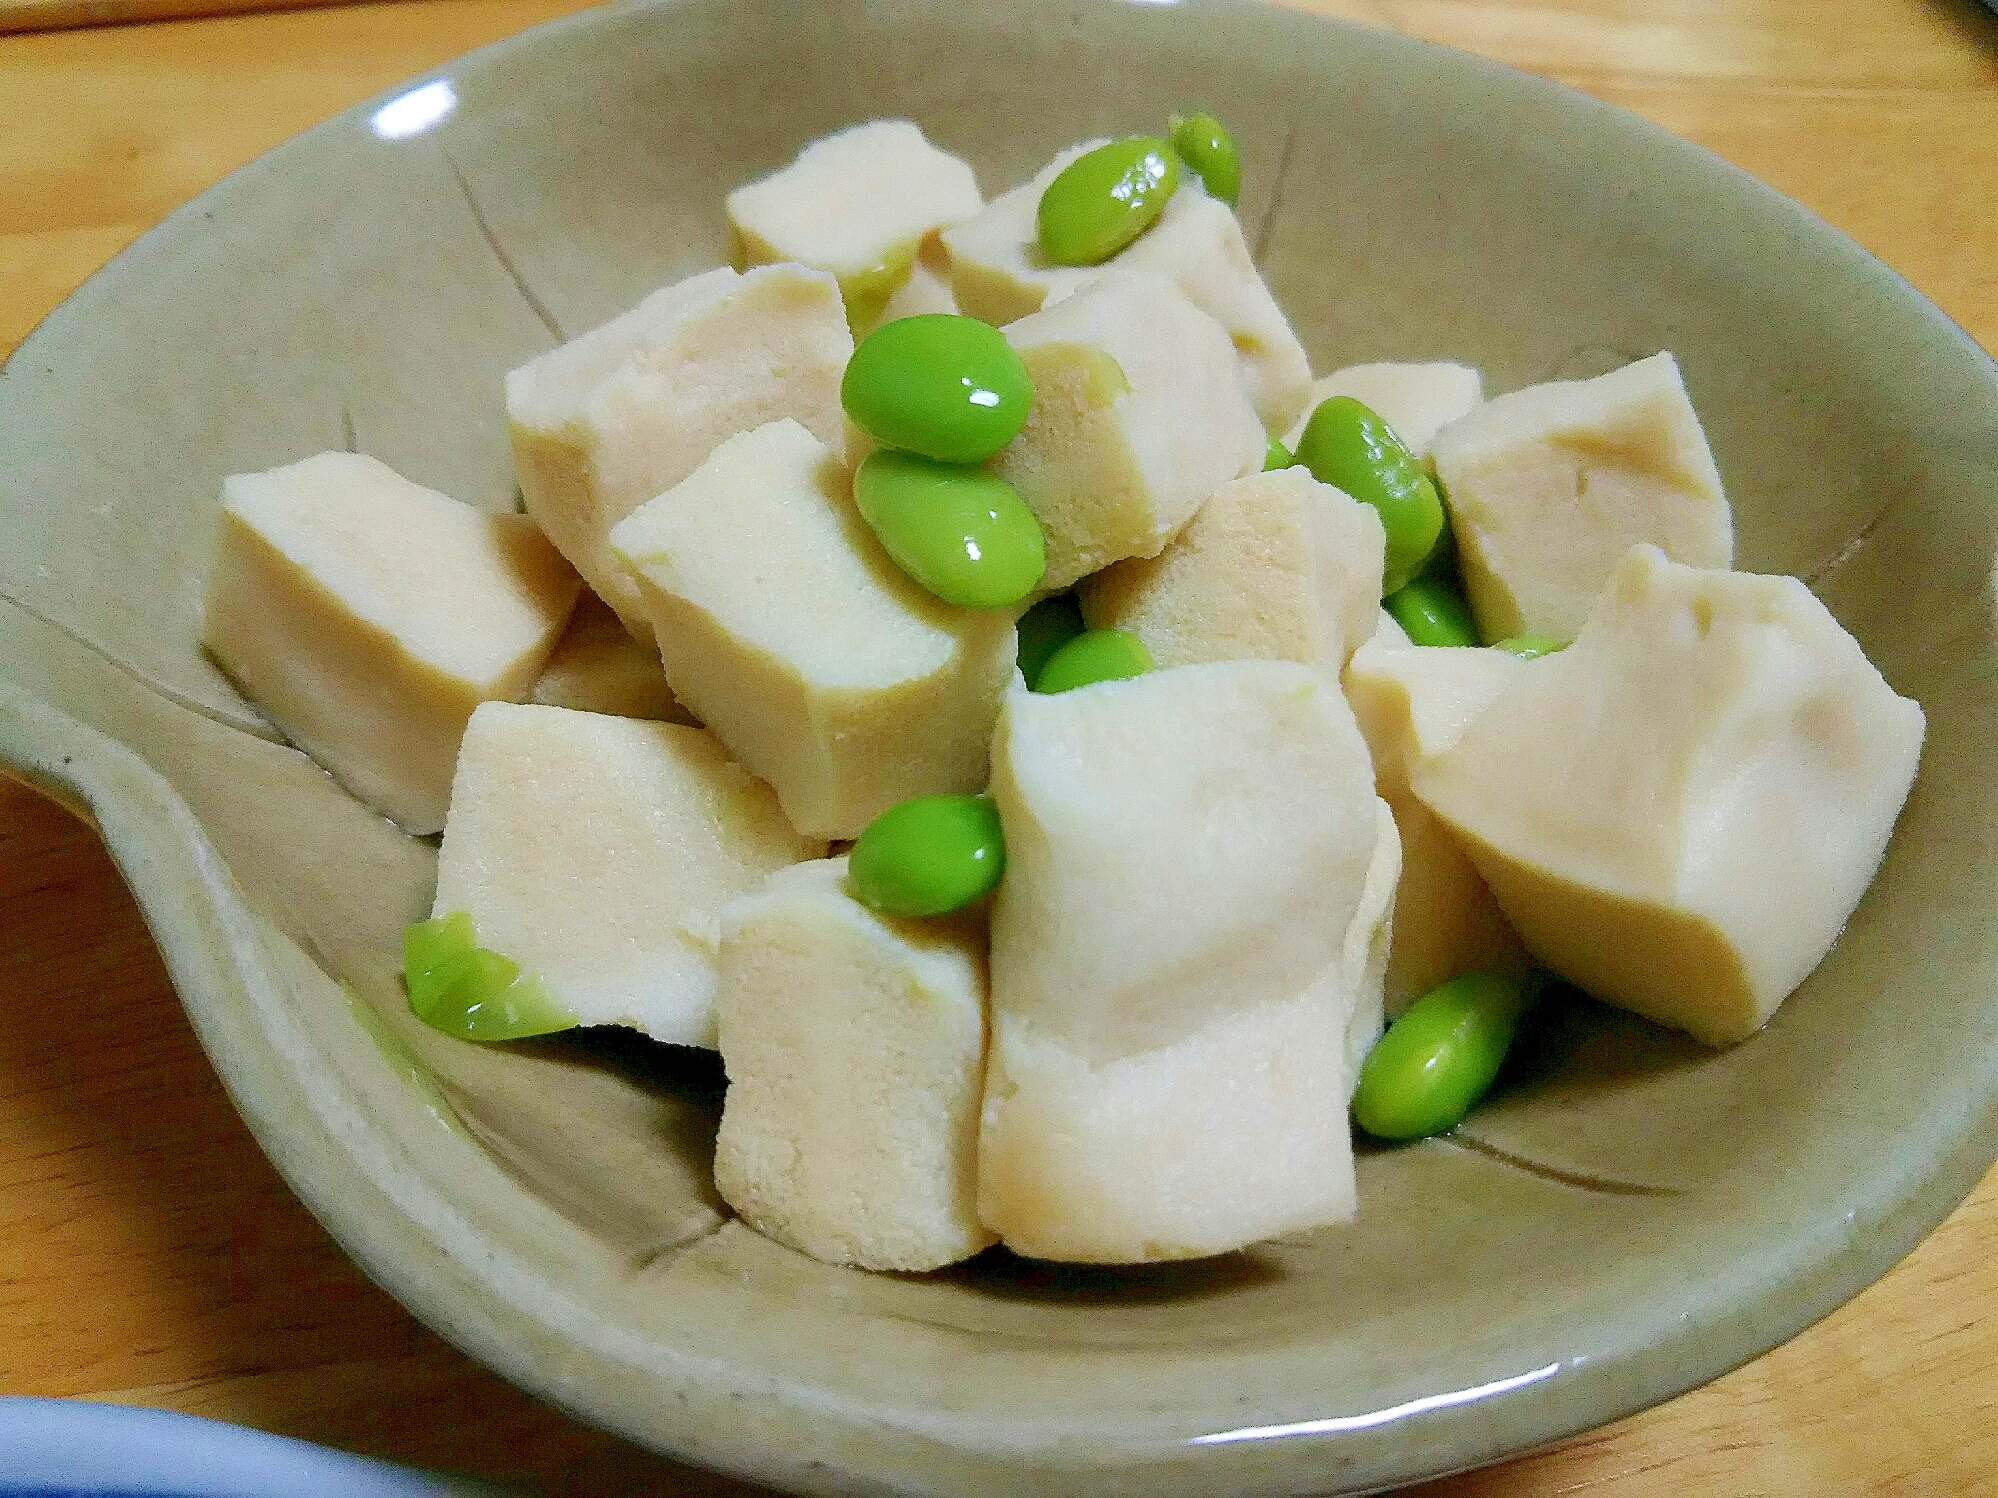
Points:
x=1631, y=1215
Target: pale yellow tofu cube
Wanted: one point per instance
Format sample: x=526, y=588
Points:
x=787, y=629
x=1413, y=702
x=1416, y=400
x=857, y=203
x=999, y=274
x=1679, y=812
x=367, y=616
x=1169, y=1073
x=1138, y=416
x=598, y=853
x=1197, y=244
x=855, y=1049
x=1275, y=566
x=1551, y=485
x=1368, y=944
x=622, y=414
x=997, y=271
x=597, y=667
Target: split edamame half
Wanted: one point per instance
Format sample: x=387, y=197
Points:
x=1205, y=145
x=1044, y=629
x=1276, y=456
x=1104, y=199
x=928, y=856
x=1092, y=656
x=962, y=533
x=950, y=388
x=1348, y=446
x=461, y=988
x=1439, y=1058
x=1431, y=612
x=1529, y=647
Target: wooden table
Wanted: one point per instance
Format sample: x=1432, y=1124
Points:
x=149, y=1255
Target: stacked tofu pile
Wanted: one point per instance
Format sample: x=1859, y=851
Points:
x=643, y=714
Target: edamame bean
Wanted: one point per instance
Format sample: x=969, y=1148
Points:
x=948, y=387
x=1106, y=198
x=1439, y=1058
x=928, y=856
x=1349, y=447
x=1092, y=656
x=471, y=992
x=959, y=531
x=1204, y=144
x=1529, y=647
x=1044, y=629
x=1431, y=612
x=434, y=953
x=1276, y=456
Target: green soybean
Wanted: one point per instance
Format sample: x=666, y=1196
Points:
x=948, y=387
x=1432, y=613
x=928, y=856
x=1204, y=144
x=1348, y=446
x=1092, y=656
x=963, y=533
x=1529, y=647
x=1276, y=456
x=1044, y=629
x=434, y=953
x=493, y=1000
x=468, y=991
x=1104, y=199
x=1439, y=1058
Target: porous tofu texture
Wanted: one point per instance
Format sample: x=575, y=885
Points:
x=857, y=203
x=1118, y=454
x=787, y=629
x=367, y=616
x=1413, y=702
x=999, y=274
x=855, y=1049
x=597, y=667
x=1679, y=812
x=622, y=414
x=1550, y=486
x=1416, y=400
x=1275, y=566
x=1168, y=1074
x=598, y=853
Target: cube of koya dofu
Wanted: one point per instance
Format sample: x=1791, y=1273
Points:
x=598, y=852
x=1138, y=416
x=1275, y=566
x=1413, y=703
x=1551, y=485
x=622, y=414
x=855, y=1049
x=1168, y=1075
x=1679, y=811
x=858, y=203
x=597, y=667
x=787, y=629
x=367, y=616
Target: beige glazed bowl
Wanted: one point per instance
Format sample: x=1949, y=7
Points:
x=1629, y=1216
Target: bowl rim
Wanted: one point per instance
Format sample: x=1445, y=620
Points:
x=208, y=939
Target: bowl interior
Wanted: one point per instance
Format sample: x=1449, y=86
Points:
x=1630, y=1215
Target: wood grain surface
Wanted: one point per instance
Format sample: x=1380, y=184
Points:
x=52, y=15
x=149, y=1255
